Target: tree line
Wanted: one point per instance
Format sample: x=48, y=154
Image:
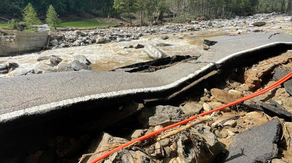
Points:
x=149, y=10
x=30, y=18
x=15, y=8
x=208, y=9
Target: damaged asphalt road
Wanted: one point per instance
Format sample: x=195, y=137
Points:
x=25, y=96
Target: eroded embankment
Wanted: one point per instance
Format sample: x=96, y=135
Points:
x=51, y=94
x=61, y=138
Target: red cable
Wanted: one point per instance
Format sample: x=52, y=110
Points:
x=281, y=81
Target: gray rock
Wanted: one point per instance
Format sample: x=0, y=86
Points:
x=185, y=149
x=12, y=66
x=128, y=47
x=44, y=68
x=55, y=60
x=63, y=66
x=259, y=144
x=100, y=40
x=63, y=45
x=164, y=142
x=139, y=46
x=191, y=108
x=81, y=33
x=4, y=66
x=3, y=71
x=207, y=107
x=165, y=115
x=280, y=73
x=164, y=37
x=168, y=151
x=82, y=59
x=231, y=123
x=137, y=133
x=7, y=67
x=154, y=52
x=77, y=65
x=77, y=43
x=43, y=58
x=158, y=150
x=54, y=42
x=120, y=39
x=212, y=148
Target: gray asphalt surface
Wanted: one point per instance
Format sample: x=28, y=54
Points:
x=38, y=94
x=234, y=44
x=29, y=91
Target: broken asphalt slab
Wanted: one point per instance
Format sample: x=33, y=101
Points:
x=35, y=95
x=280, y=73
x=234, y=46
x=259, y=144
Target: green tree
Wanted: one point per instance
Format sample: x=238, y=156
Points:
x=30, y=16
x=126, y=6
x=289, y=7
x=52, y=18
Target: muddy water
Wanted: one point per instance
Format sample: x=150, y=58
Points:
x=105, y=57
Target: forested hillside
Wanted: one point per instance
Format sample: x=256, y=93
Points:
x=63, y=7
x=148, y=8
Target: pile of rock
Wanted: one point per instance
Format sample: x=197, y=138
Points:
x=199, y=144
x=48, y=64
x=244, y=130
x=7, y=67
x=56, y=64
x=118, y=34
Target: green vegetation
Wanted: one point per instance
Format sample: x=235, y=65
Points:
x=90, y=23
x=126, y=6
x=4, y=25
x=52, y=16
x=30, y=16
x=30, y=30
x=101, y=8
x=146, y=10
x=17, y=25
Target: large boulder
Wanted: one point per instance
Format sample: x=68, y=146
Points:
x=82, y=59
x=165, y=115
x=100, y=40
x=153, y=52
x=77, y=66
x=7, y=67
x=64, y=66
x=55, y=60
x=44, y=68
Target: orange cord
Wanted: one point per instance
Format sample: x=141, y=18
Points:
x=281, y=81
